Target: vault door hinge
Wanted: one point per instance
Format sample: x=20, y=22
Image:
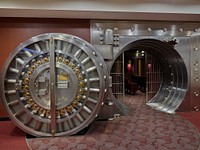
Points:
x=109, y=37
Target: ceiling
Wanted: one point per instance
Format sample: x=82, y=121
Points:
x=104, y=9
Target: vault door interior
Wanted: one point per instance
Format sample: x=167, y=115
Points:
x=142, y=72
x=173, y=82
x=53, y=85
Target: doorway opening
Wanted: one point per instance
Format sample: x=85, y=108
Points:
x=140, y=73
x=143, y=74
x=154, y=69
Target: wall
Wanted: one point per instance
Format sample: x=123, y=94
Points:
x=16, y=30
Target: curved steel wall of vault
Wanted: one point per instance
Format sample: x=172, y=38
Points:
x=175, y=78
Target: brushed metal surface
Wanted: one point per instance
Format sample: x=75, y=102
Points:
x=180, y=63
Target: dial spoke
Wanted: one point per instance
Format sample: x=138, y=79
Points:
x=85, y=60
x=91, y=69
x=92, y=100
x=14, y=70
x=87, y=109
x=37, y=47
x=20, y=61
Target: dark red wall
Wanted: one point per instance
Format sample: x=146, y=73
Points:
x=13, y=31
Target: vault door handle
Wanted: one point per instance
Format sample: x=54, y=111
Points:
x=52, y=85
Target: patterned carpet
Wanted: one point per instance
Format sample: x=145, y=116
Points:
x=144, y=129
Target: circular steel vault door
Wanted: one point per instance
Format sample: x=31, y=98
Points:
x=53, y=85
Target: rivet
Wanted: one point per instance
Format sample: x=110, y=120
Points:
x=115, y=28
x=196, y=63
x=164, y=29
x=196, y=108
x=82, y=72
x=149, y=29
x=196, y=30
x=166, y=39
x=196, y=48
x=180, y=29
x=101, y=38
x=196, y=93
x=132, y=29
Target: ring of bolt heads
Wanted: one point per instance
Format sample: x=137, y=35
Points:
x=42, y=112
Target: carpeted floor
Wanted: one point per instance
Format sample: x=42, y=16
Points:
x=11, y=137
x=144, y=129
